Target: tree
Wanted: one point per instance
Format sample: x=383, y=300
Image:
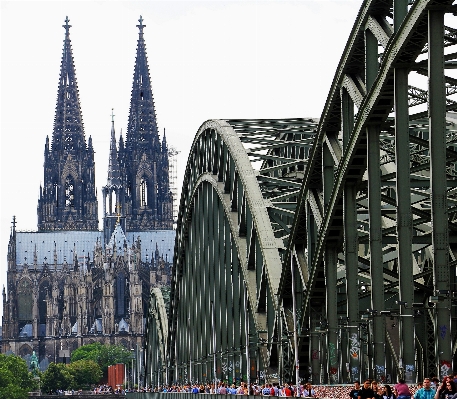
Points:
x=86, y=352
x=84, y=372
x=15, y=379
x=103, y=355
x=57, y=376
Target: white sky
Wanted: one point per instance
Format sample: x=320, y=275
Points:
x=207, y=60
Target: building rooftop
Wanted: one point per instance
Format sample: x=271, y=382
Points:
x=82, y=243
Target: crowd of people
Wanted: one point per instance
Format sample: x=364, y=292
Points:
x=430, y=388
x=107, y=390
x=305, y=390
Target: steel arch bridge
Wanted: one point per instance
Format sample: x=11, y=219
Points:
x=326, y=249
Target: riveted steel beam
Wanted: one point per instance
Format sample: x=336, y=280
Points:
x=349, y=216
x=244, y=216
x=387, y=185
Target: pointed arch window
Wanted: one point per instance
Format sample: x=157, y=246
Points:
x=43, y=298
x=69, y=192
x=71, y=303
x=25, y=300
x=143, y=192
x=112, y=203
x=121, y=295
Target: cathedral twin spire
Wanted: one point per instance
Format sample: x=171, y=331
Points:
x=142, y=132
x=137, y=190
x=68, y=135
x=68, y=198
x=144, y=201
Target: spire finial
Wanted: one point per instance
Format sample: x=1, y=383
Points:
x=66, y=26
x=112, y=115
x=141, y=26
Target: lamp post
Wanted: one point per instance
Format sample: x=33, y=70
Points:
x=138, y=366
x=248, y=365
x=132, y=374
x=214, y=342
x=297, y=365
x=190, y=350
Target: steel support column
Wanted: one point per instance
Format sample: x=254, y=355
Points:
x=352, y=284
x=400, y=11
x=316, y=354
x=331, y=264
x=404, y=224
x=350, y=248
x=374, y=211
x=376, y=260
x=331, y=261
x=440, y=235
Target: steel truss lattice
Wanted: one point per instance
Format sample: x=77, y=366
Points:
x=358, y=209
x=376, y=214
x=236, y=211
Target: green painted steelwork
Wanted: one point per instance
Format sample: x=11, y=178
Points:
x=362, y=204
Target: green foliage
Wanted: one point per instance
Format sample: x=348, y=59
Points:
x=57, y=376
x=103, y=355
x=86, y=352
x=84, y=372
x=15, y=379
x=13, y=392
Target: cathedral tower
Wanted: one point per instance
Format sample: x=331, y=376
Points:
x=68, y=198
x=144, y=159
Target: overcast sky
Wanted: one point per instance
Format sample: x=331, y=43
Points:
x=207, y=60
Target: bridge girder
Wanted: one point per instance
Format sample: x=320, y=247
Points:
x=351, y=213
x=375, y=209
x=233, y=223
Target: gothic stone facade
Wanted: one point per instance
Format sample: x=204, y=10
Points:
x=56, y=305
x=69, y=284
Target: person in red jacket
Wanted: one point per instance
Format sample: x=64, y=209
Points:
x=287, y=391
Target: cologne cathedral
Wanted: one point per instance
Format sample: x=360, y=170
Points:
x=70, y=284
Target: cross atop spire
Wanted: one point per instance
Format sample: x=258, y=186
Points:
x=141, y=26
x=66, y=26
x=112, y=115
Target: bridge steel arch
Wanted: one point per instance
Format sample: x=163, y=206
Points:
x=376, y=212
x=230, y=235
x=352, y=218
